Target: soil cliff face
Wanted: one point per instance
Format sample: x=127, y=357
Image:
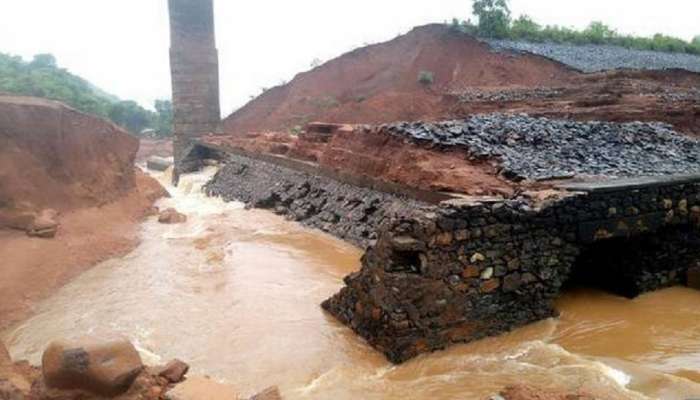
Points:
x=379, y=83
x=52, y=156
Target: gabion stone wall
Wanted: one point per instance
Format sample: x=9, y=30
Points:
x=468, y=270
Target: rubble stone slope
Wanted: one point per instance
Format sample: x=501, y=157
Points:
x=596, y=58
x=540, y=148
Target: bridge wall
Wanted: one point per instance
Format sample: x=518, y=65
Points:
x=467, y=270
x=195, y=76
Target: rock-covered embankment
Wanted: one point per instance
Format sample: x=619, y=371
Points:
x=595, y=58
x=541, y=148
x=348, y=212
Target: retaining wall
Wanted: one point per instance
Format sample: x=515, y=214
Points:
x=467, y=270
x=449, y=271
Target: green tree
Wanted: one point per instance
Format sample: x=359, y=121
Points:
x=164, y=118
x=131, y=116
x=598, y=33
x=42, y=77
x=494, y=17
x=526, y=28
x=44, y=61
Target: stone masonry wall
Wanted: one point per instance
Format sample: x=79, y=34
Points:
x=195, y=75
x=435, y=275
x=467, y=270
x=348, y=212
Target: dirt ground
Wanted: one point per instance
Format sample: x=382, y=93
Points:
x=33, y=268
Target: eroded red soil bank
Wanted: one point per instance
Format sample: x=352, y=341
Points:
x=55, y=158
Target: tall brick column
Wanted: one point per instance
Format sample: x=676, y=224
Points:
x=194, y=66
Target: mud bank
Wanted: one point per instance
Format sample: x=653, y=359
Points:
x=79, y=170
x=35, y=268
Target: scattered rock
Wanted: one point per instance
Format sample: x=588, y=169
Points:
x=174, y=371
x=525, y=392
x=271, y=393
x=8, y=391
x=4, y=355
x=102, y=367
x=171, y=216
x=199, y=388
x=45, y=224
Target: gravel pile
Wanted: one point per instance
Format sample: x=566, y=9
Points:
x=475, y=95
x=541, y=148
x=595, y=58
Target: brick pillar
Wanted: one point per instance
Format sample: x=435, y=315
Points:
x=194, y=66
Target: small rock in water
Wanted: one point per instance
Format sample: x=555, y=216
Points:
x=271, y=393
x=174, y=371
x=4, y=355
x=45, y=225
x=103, y=367
x=171, y=216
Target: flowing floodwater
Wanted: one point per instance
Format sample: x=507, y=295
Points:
x=236, y=293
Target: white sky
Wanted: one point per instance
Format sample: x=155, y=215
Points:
x=122, y=45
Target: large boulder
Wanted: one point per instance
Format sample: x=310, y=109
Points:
x=103, y=367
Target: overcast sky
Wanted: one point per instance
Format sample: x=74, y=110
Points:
x=122, y=45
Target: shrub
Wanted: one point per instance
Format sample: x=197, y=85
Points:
x=526, y=28
x=494, y=21
x=426, y=78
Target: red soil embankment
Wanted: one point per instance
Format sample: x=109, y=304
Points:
x=379, y=83
x=52, y=156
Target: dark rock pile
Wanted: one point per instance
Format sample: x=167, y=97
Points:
x=541, y=149
x=471, y=95
x=596, y=58
x=672, y=95
x=348, y=212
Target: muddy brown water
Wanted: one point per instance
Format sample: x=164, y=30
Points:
x=236, y=293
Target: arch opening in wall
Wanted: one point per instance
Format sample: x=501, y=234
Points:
x=630, y=266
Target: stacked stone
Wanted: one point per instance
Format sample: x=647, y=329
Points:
x=454, y=274
x=596, y=58
x=348, y=212
x=471, y=95
x=465, y=270
x=542, y=149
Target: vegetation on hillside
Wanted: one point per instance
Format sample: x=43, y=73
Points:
x=494, y=21
x=42, y=77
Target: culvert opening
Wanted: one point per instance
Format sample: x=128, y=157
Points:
x=630, y=266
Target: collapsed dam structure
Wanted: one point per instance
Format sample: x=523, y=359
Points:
x=451, y=267
x=474, y=222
